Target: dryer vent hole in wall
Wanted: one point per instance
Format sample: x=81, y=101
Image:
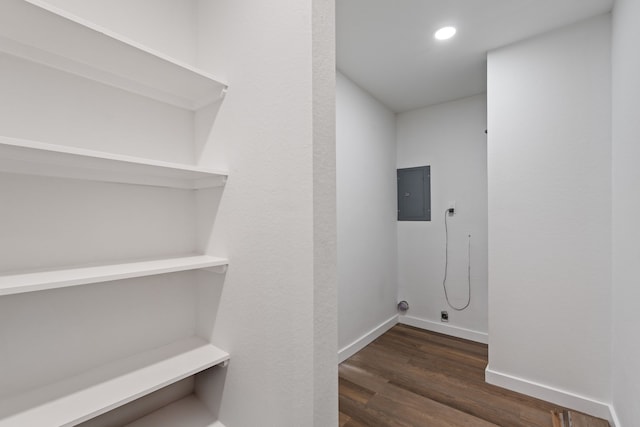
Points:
x=444, y=316
x=403, y=306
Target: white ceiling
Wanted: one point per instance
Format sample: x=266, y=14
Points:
x=387, y=46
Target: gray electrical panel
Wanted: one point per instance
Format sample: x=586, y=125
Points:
x=414, y=194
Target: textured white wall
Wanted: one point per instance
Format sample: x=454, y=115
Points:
x=366, y=190
x=549, y=168
x=168, y=26
x=325, y=286
x=270, y=315
x=626, y=211
x=450, y=138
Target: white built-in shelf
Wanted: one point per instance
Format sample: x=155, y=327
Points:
x=186, y=412
x=53, y=279
x=39, y=32
x=80, y=398
x=38, y=158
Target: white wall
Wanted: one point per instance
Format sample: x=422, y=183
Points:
x=366, y=193
x=549, y=163
x=626, y=211
x=450, y=138
x=168, y=26
x=275, y=218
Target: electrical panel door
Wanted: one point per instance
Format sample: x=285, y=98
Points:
x=414, y=194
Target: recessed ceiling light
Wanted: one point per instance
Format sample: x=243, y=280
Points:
x=445, y=33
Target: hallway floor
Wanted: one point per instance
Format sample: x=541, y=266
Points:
x=411, y=377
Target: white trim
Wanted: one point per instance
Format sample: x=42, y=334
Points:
x=349, y=350
x=445, y=328
x=551, y=394
x=613, y=418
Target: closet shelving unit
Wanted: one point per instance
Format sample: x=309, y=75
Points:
x=35, y=31
x=38, y=158
x=93, y=393
x=53, y=279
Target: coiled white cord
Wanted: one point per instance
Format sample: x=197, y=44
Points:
x=446, y=265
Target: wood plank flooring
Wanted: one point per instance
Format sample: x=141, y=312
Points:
x=413, y=378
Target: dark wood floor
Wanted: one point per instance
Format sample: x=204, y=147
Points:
x=411, y=377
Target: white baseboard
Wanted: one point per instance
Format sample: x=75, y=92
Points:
x=613, y=419
x=554, y=395
x=445, y=328
x=351, y=349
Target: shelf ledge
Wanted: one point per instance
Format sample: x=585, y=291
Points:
x=107, y=387
x=186, y=412
x=28, y=157
x=54, y=279
x=58, y=39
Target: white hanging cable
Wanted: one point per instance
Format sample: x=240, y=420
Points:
x=446, y=265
